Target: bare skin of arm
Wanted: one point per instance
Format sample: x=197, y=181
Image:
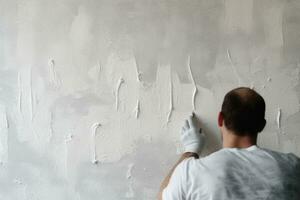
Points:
x=165, y=182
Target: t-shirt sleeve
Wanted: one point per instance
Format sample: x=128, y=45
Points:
x=176, y=188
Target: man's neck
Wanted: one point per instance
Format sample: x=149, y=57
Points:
x=231, y=140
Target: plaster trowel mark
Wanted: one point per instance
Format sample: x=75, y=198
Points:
x=6, y=120
x=171, y=108
x=278, y=118
x=233, y=67
x=194, y=83
x=31, y=96
x=54, y=78
x=137, y=109
x=69, y=138
x=138, y=74
x=130, y=193
x=4, y=125
x=129, y=171
x=51, y=125
x=20, y=93
x=99, y=69
x=120, y=82
x=94, y=128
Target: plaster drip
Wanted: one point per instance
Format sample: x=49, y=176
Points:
x=51, y=126
x=252, y=86
x=69, y=138
x=269, y=79
x=99, y=70
x=130, y=192
x=137, y=109
x=22, y=185
x=138, y=74
x=18, y=181
x=20, y=93
x=94, y=128
x=120, y=82
x=3, y=135
x=6, y=121
x=129, y=171
x=278, y=118
x=194, y=83
x=31, y=96
x=54, y=79
x=171, y=108
x=233, y=67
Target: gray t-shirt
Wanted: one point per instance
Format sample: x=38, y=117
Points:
x=232, y=173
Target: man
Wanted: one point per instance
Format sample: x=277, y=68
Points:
x=241, y=170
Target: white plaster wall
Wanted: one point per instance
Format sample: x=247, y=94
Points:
x=93, y=92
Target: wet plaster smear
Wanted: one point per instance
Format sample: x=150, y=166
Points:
x=93, y=93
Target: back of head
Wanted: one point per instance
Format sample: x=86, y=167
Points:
x=243, y=111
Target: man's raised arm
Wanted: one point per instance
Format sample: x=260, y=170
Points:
x=193, y=142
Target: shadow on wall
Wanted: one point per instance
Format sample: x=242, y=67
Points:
x=213, y=139
x=213, y=142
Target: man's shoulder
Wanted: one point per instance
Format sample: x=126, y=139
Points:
x=230, y=156
x=206, y=160
x=289, y=157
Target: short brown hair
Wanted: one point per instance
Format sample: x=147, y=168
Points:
x=243, y=110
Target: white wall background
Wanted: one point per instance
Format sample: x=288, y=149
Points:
x=93, y=93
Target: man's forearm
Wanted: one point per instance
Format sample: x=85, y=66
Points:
x=165, y=182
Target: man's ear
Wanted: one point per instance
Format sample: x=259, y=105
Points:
x=220, y=119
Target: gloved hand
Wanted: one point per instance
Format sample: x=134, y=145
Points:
x=191, y=137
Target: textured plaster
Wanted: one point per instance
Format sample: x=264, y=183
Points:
x=93, y=93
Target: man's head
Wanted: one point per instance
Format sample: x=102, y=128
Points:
x=243, y=112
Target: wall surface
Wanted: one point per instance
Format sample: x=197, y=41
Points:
x=93, y=93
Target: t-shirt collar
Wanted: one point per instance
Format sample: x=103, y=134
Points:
x=251, y=148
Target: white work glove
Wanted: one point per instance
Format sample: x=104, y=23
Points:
x=191, y=137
